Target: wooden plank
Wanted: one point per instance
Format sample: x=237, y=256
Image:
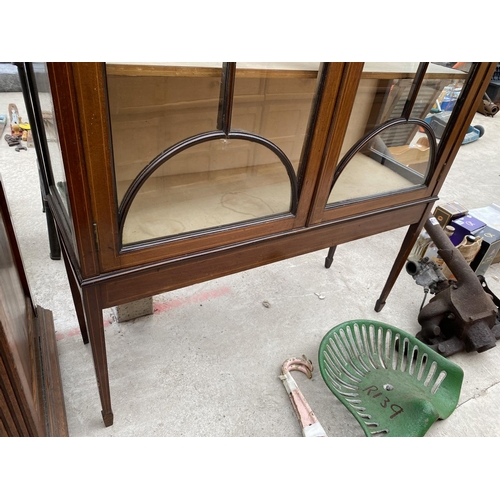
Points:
x=393, y=70
x=213, y=69
x=371, y=70
x=55, y=409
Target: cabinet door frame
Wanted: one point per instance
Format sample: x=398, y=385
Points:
x=474, y=88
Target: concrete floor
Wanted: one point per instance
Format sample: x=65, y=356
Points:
x=207, y=362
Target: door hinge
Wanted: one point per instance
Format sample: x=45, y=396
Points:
x=96, y=235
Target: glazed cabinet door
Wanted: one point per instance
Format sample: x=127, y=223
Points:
x=182, y=158
x=394, y=138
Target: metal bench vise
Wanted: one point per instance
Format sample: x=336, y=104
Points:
x=464, y=313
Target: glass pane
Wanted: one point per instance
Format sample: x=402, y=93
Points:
x=382, y=94
x=274, y=100
x=153, y=106
x=439, y=115
x=209, y=185
x=53, y=145
x=379, y=168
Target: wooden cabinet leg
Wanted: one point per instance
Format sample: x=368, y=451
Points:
x=77, y=297
x=329, y=257
x=93, y=313
x=410, y=239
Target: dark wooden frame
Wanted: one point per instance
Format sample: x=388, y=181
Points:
x=102, y=274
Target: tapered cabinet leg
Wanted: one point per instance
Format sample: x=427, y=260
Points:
x=93, y=313
x=329, y=257
x=408, y=242
x=77, y=298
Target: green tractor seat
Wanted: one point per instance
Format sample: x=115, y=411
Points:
x=393, y=384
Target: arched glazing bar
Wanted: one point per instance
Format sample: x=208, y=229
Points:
x=372, y=138
x=372, y=135
x=223, y=132
x=363, y=142
x=193, y=141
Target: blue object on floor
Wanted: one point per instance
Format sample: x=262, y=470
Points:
x=438, y=122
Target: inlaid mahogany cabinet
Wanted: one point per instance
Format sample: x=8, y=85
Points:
x=162, y=175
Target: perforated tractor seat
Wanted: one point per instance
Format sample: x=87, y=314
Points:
x=393, y=384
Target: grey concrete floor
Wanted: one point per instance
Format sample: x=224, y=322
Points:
x=207, y=362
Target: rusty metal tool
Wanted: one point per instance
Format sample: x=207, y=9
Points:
x=462, y=315
x=308, y=421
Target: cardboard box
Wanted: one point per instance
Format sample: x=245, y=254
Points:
x=491, y=216
x=448, y=211
x=489, y=249
x=464, y=226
